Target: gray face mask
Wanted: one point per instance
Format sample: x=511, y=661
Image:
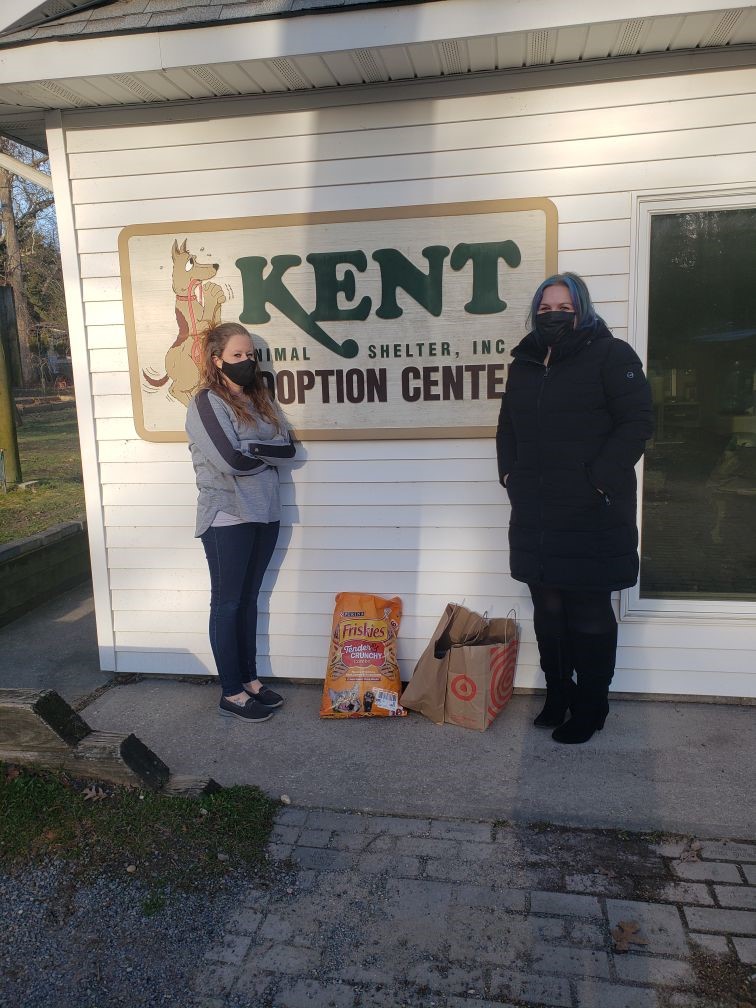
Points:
x=242, y=373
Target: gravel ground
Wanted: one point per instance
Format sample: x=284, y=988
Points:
x=73, y=943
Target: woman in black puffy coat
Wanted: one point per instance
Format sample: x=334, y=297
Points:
x=575, y=416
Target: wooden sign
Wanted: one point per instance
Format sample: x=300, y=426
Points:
x=368, y=324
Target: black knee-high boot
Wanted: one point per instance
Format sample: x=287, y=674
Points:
x=594, y=656
x=556, y=663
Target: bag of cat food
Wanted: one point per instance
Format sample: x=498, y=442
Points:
x=362, y=677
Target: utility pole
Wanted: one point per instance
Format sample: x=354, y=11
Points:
x=8, y=439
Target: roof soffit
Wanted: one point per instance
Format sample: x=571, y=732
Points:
x=351, y=48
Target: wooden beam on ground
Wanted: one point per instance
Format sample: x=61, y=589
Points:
x=38, y=721
x=182, y=786
x=120, y=759
x=37, y=727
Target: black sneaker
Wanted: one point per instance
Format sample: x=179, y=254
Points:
x=249, y=711
x=267, y=697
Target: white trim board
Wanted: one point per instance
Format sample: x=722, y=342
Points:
x=714, y=612
x=83, y=382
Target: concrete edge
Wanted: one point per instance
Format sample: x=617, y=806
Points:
x=20, y=547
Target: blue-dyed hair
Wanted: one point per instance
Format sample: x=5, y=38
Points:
x=584, y=310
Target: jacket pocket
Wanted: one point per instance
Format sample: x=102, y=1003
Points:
x=601, y=493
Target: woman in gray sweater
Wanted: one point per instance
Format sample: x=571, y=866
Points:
x=237, y=436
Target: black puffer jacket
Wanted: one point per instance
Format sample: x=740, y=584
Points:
x=569, y=436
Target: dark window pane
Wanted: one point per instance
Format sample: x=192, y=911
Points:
x=699, y=496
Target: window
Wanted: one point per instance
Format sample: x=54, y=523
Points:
x=699, y=487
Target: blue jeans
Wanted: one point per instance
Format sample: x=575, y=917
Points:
x=238, y=556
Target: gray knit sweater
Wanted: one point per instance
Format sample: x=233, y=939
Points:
x=234, y=462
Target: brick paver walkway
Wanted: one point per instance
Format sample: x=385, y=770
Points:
x=383, y=911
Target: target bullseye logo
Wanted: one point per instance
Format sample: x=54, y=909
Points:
x=502, y=678
x=463, y=687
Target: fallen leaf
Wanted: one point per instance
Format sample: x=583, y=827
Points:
x=93, y=792
x=627, y=933
x=285, y=800
x=131, y=869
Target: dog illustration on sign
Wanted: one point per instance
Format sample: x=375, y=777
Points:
x=198, y=307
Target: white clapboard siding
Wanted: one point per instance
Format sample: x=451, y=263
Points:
x=647, y=679
x=445, y=188
x=98, y=240
x=595, y=235
x=103, y=313
x=277, y=623
x=454, y=584
x=102, y=289
x=597, y=206
x=350, y=495
x=113, y=405
x=639, y=680
x=621, y=124
x=99, y=245
x=100, y=263
x=348, y=476
x=302, y=601
x=299, y=645
x=429, y=539
x=398, y=524
x=443, y=516
x=115, y=429
x=108, y=361
x=106, y=337
x=341, y=475
x=281, y=665
x=221, y=122
x=296, y=645
x=613, y=287
x=419, y=620
x=614, y=313
x=473, y=449
x=109, y=383
x=644, y=148
x=289, y=561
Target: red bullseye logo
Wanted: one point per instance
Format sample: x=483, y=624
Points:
x=463, y=687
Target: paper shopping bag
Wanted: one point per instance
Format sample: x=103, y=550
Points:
x=426, y=691
x=480, y=675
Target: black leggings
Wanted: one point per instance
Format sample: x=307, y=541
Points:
x=557, y=611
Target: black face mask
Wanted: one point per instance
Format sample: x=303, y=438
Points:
x=242, y=373
x=551, y=326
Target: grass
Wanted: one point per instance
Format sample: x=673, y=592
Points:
x=48, y=444
x=159, y=840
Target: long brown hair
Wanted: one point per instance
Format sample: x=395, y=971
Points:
x=257, y=399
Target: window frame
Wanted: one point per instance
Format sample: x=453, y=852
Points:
x=644, y=207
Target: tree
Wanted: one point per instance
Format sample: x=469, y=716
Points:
x=30, y=258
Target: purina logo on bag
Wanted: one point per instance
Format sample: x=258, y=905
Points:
x=410, y=311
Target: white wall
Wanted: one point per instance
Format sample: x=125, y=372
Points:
x=432, y=532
